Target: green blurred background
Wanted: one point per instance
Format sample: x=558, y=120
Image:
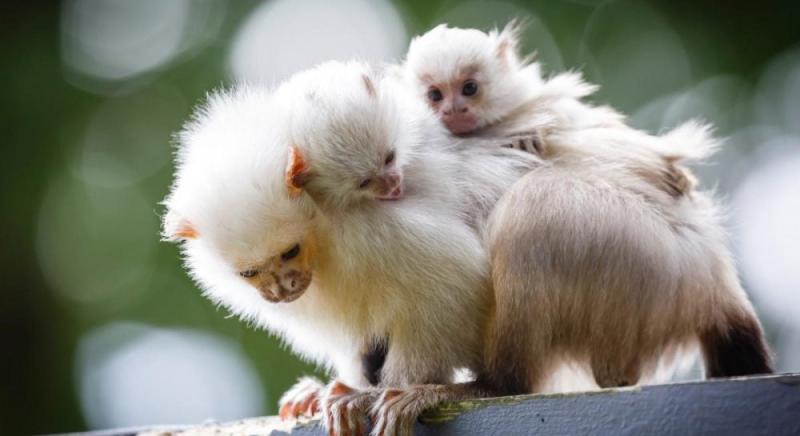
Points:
x=102, y=327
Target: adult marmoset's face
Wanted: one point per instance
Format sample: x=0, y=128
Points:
x=284, y=276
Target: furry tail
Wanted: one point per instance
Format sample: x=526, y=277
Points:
x=736, y=348
x=567, y=85
x=692, y=141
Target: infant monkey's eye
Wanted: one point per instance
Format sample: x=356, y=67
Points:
x=292, y=253
x=389, y=158
x=435, y=95
x=364, y=183
x=248, y=273
x=470, y=88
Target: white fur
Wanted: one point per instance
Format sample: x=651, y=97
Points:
x=632, y=183
x=436, y=55
x=519, y=100
x=413, y=269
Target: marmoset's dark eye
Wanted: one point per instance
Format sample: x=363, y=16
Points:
x=389, y=158
x=364, y=183
x=292, y=253
x=249, y=273
x=470, y=88
x=435, y=95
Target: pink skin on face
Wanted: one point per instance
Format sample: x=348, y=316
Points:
x=456, y=114
x=461, y=123
x=456, y=110
x=282, y=286
x=395, y=194
x=392, y=186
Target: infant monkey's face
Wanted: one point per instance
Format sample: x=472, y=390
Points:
x=284, y=277
x=457, y=101
x=386, y=182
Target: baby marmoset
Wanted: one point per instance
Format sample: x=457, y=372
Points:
x=608, y=256
x=479, y=86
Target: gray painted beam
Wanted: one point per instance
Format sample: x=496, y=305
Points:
x=768, y=405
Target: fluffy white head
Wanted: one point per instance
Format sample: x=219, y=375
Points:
x=244, y=236
x=255, y=167
x=470, y=78
x=352, y=135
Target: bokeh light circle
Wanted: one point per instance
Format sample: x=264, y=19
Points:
x=767, y=212
x=284, y=36
x=132, y=375
x=95, y=244
x=536, y=38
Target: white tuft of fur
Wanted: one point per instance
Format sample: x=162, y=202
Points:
x=692, y=141
x=567, y=85
x=414, y=269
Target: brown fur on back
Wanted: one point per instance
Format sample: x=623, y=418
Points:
x=593, y=263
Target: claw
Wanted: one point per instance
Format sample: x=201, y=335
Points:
x=313, y=407
x=344, y=409
x=353, y=420
x=297, y=401
x=389, y=394
x=384, y=412
x=329, y=421
x=337, y=422
x=301, y=406
x=396, y=411
x=344, y=424
x=285, y=411
x=530, y=142
x=339, y=388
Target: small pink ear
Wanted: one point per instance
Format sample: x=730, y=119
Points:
x=186, y=230
x=509, y=40
x=297, y=172
x=502, y=49
x=178, y=229
x=369, y=85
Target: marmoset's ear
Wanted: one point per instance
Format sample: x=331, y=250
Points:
x=177, y=228
x=298, y=172
x=508, y=41
x=369, y=85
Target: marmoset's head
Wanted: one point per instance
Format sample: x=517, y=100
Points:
x=244, y=237
x=471, y=79
x=350, y=136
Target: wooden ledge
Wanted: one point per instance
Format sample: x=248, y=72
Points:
x=766, y=405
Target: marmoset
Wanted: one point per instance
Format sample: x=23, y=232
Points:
x=591, y=263
x=479, y=86
x=336, y=212
x=608, y=256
